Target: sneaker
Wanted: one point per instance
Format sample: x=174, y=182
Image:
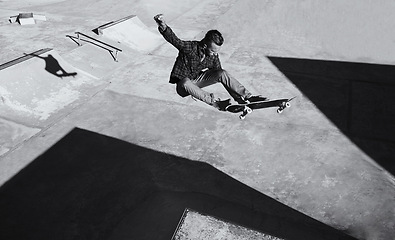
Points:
x=256, y=98
x=240, y=100
x=221, y=104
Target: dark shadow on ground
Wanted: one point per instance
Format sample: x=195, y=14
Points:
x=91, y=186
x=52, y=66
x=357, y=97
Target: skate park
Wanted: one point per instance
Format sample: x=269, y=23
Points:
x=96, y=144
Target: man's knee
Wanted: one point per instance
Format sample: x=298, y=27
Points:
x=220, y=72
x=181, y=89
x=223, y=71
x=217, y=74
x=222, y=75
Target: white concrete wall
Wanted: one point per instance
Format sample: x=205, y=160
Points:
x=352, y=30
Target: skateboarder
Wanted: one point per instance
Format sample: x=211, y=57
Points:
x=198, y=66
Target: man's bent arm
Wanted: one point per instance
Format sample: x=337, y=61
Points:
x=217, y=63
x=171, y=37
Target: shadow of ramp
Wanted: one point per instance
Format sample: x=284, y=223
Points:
x=90, y=186
x=357, y=97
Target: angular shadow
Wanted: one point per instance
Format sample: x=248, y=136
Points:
x=357, y=97
x=52, y=66
x=91, y=186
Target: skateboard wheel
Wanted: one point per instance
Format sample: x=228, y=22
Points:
x=288, y=104
x=242, y=117
x=279, y=110
x=249, y=110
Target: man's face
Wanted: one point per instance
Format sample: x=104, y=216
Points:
x=212, y=49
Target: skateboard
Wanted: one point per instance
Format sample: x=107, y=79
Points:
x=249, y=107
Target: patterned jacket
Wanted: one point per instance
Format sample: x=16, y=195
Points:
x=189, y=62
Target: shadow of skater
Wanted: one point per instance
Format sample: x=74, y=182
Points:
x=52, y=66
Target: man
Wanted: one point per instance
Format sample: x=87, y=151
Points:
x=198, y=66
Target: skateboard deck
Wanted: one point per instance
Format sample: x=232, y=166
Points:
x=247, y=108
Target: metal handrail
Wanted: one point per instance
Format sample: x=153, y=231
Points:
x=101, y=42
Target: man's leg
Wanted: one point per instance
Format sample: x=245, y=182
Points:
x=234, y=87
x=186, y=87
x=194, y=88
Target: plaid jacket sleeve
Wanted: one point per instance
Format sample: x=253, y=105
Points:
x=171, y=37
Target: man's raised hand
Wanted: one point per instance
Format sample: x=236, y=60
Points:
x=159, y=19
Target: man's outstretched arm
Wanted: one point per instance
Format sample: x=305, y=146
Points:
x=170, y=36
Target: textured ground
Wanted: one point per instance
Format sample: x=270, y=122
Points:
x=330, y=156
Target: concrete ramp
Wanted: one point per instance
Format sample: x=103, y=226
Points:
x=131, y=32
x=37, y=85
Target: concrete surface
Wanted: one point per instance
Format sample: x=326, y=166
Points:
x=330, y=156
x=195, y=225
x=48, y=84
x=91, y=186
x=131, y=32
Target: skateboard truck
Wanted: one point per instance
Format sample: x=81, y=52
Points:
x=246, y=111
x=283, y=106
